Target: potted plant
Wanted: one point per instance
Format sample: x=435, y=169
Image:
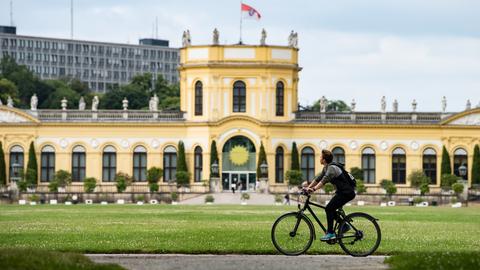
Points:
x=62, y=179
x=183, y=180
x=389, y=188
x=174, y=196
x=89, y=184
x=209, y=199
x=153, y=176
x=33, y=199
x=419, y=181
x=245, y=197
x=446, y=182
x=122, y=181
x=458, y=189
x=140, y=199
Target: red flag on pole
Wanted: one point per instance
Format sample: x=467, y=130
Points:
x=250, y=13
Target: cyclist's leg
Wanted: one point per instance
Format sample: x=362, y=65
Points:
x=336, y=202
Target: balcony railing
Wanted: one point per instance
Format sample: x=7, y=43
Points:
x=370, y=117
x=108, y=116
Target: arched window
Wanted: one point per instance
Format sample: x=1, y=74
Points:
x=169, y=163
x=198, y=98
x=47, y=162
x=16, y=163
x=198, y=166
x=338, y=155
x=399, y=165
x=368, y=165
x=279, y=165
x=139, y=164
x=239, y=96
x=459, y=159
x=308, y=163
x=279, y=104
x=78, y=163
x=109, y=164
x=430, y=164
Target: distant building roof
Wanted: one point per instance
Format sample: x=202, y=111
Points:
x=8, y=29
x=153, y=42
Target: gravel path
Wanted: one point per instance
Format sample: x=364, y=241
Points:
x=236, y=262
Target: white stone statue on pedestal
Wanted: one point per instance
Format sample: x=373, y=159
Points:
x=10, y=102
x=186, y=40
x=353, y=105
x=64, y=103
x=414, y=105
x=383, y=104
x=263, y=39
x=33, y=102
x=290, y=39
x=125, y=104
x=81, y=104
x=469, y=105
x=323, y=104
x=395, y=106
x=95, y=102
x=444, y=104
x=216, y=36
x=1, y=102
x=295, y=40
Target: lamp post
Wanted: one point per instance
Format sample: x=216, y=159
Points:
x=263, y=177
x=462, y=170
x=214, y=176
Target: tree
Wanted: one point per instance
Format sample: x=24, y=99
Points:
x=63, y=178
x=213, y=157
x=181, y=160
x=446, y=165
x=183, y=178
x=153, y=176
x=417, y=178
x=357, y=173
x=389, y=187
x=332, y=106
x=295, y=162
x=476, y=166
x=3, y=170
x=122, y=181
x=8, y=88
x=262, y=158
x=447, y=180
x=32, y=167
x=89, y=184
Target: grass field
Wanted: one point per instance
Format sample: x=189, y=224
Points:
x=218, y=229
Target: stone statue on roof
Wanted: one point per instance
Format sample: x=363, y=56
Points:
x=444, y=104
x=95, y=102
x=323, y=104
x=33, y=102
x=395, y=105
x=125, y=103
x=81, y=104
x=414, y=105
x=383, y=104
x=263, y=39
x=64, y=102
x=469, y=105
x=10, y=102
x=216, y=36
x=353, y=105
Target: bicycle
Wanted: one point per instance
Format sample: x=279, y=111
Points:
x=293, y=233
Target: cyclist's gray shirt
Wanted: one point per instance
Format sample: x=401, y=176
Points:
x=327, y=174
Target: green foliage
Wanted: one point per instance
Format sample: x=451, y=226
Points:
x=89, y=184
x=417, y=178
x=140, y=198
x=418, y=200
x=183, y=178
x=357, y=173
x=446, y=165
x=213, y=158
x=332, y=106
x=63, y=178
x=457, y=188
x=53, y=186
x=295, y=158
x=427, y=260
x=475, y=166
x=153, y=176
x=245, y=197
x=8, y=88
x=209, y=199
x=361, y=188
x=34, y=198
x=32, y=168
x=278, y=198
x=122, y=181
x=447, y=180
x=3, y=168
x=39, y=259
x=22, y=185
x=181, y=160
x=424, y=188
x=389, y=187
x=174, y=196
x=294, y=177
x=262, y=158
x=328, y=188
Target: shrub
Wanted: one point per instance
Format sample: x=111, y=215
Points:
x=153, y=187
x=245, y=196
x=295, y=161
x=89, y=184
x=424, y=189
x=294, y=177
x=361, y=188
x=174, y=196
x=32, y=168
x=357, y=173
x=140, y=198
x=22, y=185
x=3, y=170
x=457, y=188
x=53, y=186
x=446, y=166
x=475, y=166
x=278, y=198
x=183, y=178
x=418, y=200
x=209, y=199
x=418, y=178
x=122, y=180
x=389, y=187
x=181, y=160
x=447, y=180
x=31, y=178
x=34, y=198
x=63, y=178
x=328, y=188
x=153, y=176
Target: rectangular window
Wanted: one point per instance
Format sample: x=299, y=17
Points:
x=78, y=167
x=368, y=167
x=399, y=169
x=139, y=167
x=279, y=167
x=47, y=171
x=430, y=167
x=109, y=167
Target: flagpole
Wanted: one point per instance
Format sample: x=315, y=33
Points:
x=241, y=4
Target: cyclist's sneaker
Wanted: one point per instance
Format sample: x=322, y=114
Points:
x=346, y=228
x=328, y=236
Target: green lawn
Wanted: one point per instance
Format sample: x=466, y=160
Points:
x=218, y=229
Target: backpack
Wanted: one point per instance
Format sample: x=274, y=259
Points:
x=346, y=175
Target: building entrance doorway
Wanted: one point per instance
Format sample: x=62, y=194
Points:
x=245, y=181
x=238, y=164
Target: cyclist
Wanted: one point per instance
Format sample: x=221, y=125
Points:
x=333, y=173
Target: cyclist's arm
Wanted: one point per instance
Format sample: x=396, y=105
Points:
x=330, y=173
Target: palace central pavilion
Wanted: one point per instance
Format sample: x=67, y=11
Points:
x=240, y=96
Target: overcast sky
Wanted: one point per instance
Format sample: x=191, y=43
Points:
x=360, y=49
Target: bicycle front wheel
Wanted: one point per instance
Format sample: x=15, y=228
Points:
x=361, y=235
x=292, y=234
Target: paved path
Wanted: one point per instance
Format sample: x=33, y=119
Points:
x=236, y=262
x=229, y=198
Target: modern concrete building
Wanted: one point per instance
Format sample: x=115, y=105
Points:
x=241, y=97
x=100, y=64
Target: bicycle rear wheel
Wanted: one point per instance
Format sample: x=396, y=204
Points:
x=361, y=234
x=292, y=234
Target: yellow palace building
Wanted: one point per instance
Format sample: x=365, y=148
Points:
x=241, y=96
